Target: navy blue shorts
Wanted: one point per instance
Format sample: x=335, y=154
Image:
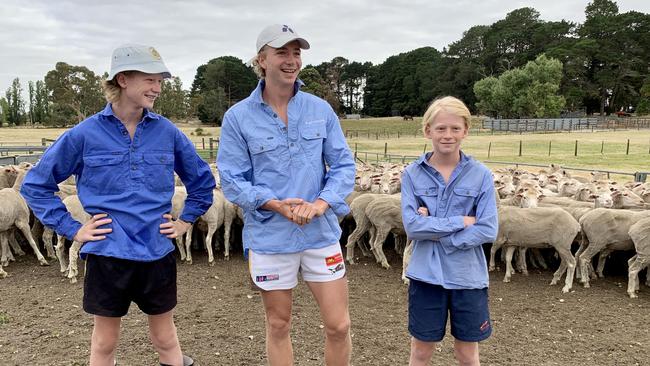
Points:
x=111, y=284
x=429, y=306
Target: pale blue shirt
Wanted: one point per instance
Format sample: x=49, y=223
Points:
x=260, y=159
x=446, y=253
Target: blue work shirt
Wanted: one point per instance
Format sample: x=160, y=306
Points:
x=446, y=253
x=130, y=180
x=260, y=159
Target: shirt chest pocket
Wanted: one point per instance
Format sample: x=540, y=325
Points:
x=105, y=174
x=159, y=171
x=313, y=135
x=427, y=197
x=464, y=202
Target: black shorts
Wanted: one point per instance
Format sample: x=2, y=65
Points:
x=111, y=284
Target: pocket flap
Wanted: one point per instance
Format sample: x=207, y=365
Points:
x=312, y=132
x=159, y=158
x=465, y=192
x=433, y=191
x=102, y=160
x=262, y=145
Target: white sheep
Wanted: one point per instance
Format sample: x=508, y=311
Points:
x=640, y=235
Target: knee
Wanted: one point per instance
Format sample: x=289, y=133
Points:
x=278, y=326
x=466, y=357
x=164, y=340
x=422, y=352
x=338, y=331
x=104, y=344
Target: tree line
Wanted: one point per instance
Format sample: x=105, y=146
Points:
x=519, y=66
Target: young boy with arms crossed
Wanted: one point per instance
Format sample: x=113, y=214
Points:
x=449, y=211
x=124, y=159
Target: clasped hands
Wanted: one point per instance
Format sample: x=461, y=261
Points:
x=297, y=210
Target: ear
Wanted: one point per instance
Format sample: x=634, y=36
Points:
x=121, y=79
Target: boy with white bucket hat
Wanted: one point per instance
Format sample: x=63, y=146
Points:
x=124, y=159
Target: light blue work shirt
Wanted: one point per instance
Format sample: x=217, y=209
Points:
x=446, y=253
x=260, y=159
x=132, y=180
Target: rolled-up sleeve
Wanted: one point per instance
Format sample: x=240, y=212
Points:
x=236, y=171
x=339, y=179
x=487, y=223
x=59, y=161
x=196, y=176
x=420, y=227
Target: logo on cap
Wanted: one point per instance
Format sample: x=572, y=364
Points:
x=154, y=53
x=285, y=28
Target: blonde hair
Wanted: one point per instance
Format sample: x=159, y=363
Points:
x=255, y=63
x=112, y=89
x=448, y=104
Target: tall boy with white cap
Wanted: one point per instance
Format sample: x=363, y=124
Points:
x=276, y=146
x=124, y=159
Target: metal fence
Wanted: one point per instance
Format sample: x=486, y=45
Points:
x=564, y=124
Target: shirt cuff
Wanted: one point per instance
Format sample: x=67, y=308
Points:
x=259, y=213
x=339, y=206
x=70, y=228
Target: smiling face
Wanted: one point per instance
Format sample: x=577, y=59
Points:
x=281, y=65
x=446, y=132
x=139, y=90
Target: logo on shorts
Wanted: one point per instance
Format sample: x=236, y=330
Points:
x=266, y=278
x=485, y=326
x=335, y=259
x=337, y=268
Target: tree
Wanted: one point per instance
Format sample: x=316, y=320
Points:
x=38, y=102
x=173, y=101
x=4, y=111
x=16, y=105
x=225, y=80
x=643, y=105
x=212, y=105
x=404, y=84
x=75, y=93
x=530, y=91
x=315, y=84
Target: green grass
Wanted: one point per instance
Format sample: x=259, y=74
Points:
x=4, y=319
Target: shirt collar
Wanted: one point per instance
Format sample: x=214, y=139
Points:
x=256, y=95
x=424, y=159
x=108, y=112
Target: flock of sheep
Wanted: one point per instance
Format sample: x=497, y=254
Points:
x=547, y=209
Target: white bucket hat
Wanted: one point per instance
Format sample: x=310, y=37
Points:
x=277, y=35
x=135, y=57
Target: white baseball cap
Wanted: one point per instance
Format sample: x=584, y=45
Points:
x=135, y=57
x=277, y=35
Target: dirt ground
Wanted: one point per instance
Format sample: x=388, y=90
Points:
x=220, y=320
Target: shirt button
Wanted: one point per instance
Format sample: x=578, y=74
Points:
x=291, y=144
x=124, y=132
x=134, y=167
x=275, y=115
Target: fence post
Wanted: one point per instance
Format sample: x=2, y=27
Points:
x=640, y=177
x=602, y=147
x=576, y=149
x=425, y=148
x=385, y=149
x=627, y=149
x=489, y=148
x=211, y=147
x=203, y=142
x=549, y=147
x=520, y=143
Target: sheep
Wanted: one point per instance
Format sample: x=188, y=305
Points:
x=640, y=235
x=605, y=230
x=386, y=216
x=230, y=212
x=363, y=225
x=211, y=220
x=178, y=203
x=8, y=176
x=14, y=211
x=70, y=270
x=538, y=228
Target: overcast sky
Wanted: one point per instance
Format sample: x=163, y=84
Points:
x=35, y=34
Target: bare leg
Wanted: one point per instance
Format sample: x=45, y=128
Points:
x=277, y=306
x=162, y=333
x=466, y=353
x=106, y=333
x=332, y=299
x=421, y=352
